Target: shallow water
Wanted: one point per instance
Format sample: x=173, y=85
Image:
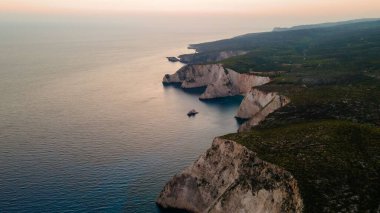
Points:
x=85, y=122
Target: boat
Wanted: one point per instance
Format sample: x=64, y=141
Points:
x=192, y=112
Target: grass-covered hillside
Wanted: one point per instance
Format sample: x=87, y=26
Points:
x=328, y=137
x=321, y=51
x=336, y=163
x=327, y=24
x=356, y=100
x=328, y=72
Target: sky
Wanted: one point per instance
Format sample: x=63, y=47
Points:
x=276, y=12
x=238, y=7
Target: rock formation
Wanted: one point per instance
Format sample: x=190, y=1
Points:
x=233, y=83
x=257, y=105
x=231, y=178
x=220, y=81
x=192, y=76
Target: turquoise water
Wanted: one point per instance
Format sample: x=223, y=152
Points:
x=85, y=123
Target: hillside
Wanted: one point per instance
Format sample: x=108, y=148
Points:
x=328, y=24
x=336, y=163
x=328, y=137
x=328, y=133
x=330, y=72
x=343, y=48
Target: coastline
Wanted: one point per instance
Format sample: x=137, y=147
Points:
x=296, y=121
x=96, y=118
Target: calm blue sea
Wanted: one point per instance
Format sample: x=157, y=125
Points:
x=85, y=123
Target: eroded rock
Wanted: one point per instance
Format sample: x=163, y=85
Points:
x=257, y=105
x=231, y=178
x=219, y=81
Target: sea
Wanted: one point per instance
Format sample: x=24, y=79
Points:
x=86, y=124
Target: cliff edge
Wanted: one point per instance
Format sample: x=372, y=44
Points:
x=257, y=105
x=219, y=81
x=231, y=178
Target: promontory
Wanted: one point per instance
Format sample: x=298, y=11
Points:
x=310, y=140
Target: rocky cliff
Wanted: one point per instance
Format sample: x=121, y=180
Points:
x=219, y=81
x=257, y=105
x=231, y=178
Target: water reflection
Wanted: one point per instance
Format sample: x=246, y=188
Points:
x=95, y=117
x=225, y=102
x=191, y=91
x=220, y=105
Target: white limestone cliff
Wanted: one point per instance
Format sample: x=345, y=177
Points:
x=257, y=105
x=219, y=81
x=231, y=178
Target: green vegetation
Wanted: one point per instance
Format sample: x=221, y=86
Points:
x=328, y=137
x=347, y=49
x=357, y=100
x=336, y=163
x=328, y=24
x=306, y=53
x=327, y=72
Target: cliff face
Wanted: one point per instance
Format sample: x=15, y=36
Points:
x=335, y=161
x=233, y=83
x=224, y=82
x=219, y=81
x=231, y=178
x=192, y=76
x=257, y=105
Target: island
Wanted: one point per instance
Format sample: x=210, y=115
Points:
x=311, y=137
